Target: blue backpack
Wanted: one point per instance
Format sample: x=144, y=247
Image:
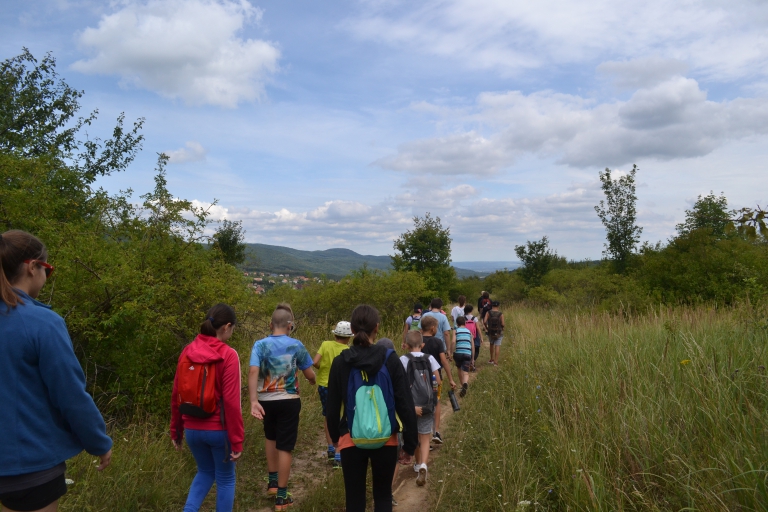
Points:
x=371, y=407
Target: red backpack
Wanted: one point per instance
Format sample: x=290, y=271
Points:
x=472, y=326
x=196, y=385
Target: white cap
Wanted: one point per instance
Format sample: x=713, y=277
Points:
x=343, y=330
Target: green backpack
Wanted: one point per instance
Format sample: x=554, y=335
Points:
x=371, y=407
x=415, y=323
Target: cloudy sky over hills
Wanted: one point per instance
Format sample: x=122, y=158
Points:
x=331, y=124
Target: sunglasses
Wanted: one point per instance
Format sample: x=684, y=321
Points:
x=48, y=268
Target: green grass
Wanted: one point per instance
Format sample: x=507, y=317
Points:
x=662, y=411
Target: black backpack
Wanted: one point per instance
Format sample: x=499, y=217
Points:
x=419, y=373
x=494, y=323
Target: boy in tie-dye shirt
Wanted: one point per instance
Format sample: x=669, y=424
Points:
x=274, y=393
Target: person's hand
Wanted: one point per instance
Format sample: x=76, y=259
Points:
x=405, y=459
x=419, y=410
x=311, y=382
x=234, y=456
x=257, y=411
x=453, y=385
x=178, y=444
x=104, y=460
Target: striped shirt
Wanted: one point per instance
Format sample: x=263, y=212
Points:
x=463, y=341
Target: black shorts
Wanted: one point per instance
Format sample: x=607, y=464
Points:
x=36, y=497
x=281, y=422
x=462, y=361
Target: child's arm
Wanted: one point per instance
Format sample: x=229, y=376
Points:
x=257, y=411
x=316, y=360
x=309, y=373
x=447, y=369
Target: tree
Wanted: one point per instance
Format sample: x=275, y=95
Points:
x=229, y=240
x=537, y=260
x=710, y=212
x=750, y=224
x=426, y=250
x=619, y=216
x=37, y=119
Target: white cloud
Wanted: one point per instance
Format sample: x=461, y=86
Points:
x=193, y=152
x=188, y=49
x=719, y=38
x=671, y=120
x=645, y=72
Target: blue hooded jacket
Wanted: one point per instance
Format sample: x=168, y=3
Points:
x=47, y=416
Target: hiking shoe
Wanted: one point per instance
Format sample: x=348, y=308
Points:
x=271, y=488
x=336, y=464
x=422, y=478
x=331, y=454
x=463, y=391
x=437, y=438
x=283, y=503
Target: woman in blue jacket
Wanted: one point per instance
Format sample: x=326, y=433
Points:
x=48, y=417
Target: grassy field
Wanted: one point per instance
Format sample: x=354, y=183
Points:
x=663, y=411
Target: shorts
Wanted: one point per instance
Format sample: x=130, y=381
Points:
x=323, y=392
x=37, y=497
x=281, y=422
x=462, y=361
x=496, y=341
x=425, y=423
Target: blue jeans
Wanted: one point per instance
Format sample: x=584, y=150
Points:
x=211, y=451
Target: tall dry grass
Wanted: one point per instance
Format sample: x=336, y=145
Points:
x=662, y=411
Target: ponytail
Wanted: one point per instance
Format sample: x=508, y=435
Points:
x=364, y=321
x=16, y=247
x=218, y=315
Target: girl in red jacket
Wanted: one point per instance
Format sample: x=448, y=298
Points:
x=215, y=437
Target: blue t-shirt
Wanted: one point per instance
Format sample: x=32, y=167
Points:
x=463, y=341
x=442, y=323
x=279, y=359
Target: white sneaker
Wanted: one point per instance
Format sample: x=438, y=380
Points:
x=422, y=478
x=416, y=467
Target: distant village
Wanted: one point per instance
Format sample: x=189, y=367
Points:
x=261, y=282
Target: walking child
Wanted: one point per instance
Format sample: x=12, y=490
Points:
x=436, y=348
x=464, y=355
x=325, y=355
x=420, y=369
x=494, y=324
x=413, y=322
x=474, y=328
x=274, y=394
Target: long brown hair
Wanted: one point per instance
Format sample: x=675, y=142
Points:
x=15, y=247
x=364, y=320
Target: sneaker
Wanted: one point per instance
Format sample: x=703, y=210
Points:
x=283, y=503
x=416, y=467
x=437, y=438
x=422, y=478
x=271, y=488
x=336, y=464
x=463, y=391
x=331, y=454
x=394, y=502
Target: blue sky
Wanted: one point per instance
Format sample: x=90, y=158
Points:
x=331, y=124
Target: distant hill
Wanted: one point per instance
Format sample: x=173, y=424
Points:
x=487, y=267
x=334, y=263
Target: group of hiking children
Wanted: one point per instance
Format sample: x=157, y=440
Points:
x=384, y=409
x=387, y=408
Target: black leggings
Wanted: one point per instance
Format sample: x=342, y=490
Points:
x=477, y=352
x=354, y=465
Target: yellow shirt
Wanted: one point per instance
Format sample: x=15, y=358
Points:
x=328, y=351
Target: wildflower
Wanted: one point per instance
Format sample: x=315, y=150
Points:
x=523, y=503
x=685, y=362
x=69, y=481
